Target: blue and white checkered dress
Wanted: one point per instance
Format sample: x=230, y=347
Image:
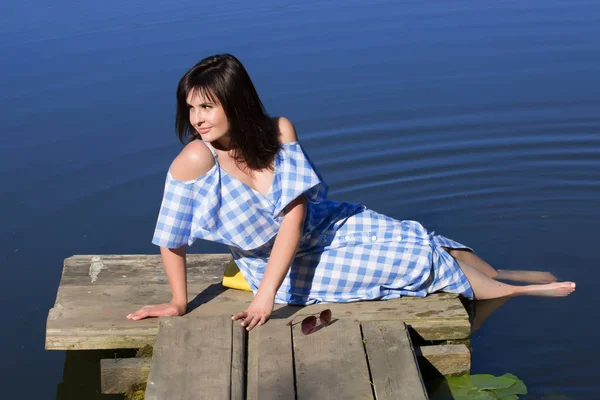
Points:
x=347, y=252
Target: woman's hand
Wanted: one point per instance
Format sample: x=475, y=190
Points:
x=258, y=312
x=158, y=310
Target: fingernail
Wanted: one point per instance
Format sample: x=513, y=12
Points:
x=128, y=315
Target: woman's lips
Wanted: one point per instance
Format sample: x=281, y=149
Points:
x=204, y=130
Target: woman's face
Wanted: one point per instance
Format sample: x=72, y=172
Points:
x=208, y=118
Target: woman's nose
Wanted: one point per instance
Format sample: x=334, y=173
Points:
x=198, y=118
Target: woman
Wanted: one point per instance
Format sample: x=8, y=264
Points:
x=244, y=180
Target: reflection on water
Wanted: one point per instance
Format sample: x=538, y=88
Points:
x=477, y=119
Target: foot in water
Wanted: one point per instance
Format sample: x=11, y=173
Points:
x=556, y=289
x=526, y=276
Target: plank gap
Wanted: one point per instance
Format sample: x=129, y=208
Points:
x=362, y=336
x=245, y=377
x=294, y=362
x=231, y=378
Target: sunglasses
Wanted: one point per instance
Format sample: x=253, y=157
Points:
x=309, y=324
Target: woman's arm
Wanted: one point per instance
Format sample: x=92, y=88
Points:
x=282, y=255
x=284, y=248
x=174, y=262
x=193, y=162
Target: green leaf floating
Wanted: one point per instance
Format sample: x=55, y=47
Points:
x=490, y=382
x=485, y=387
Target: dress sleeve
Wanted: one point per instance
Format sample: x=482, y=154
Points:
x=298, y=176
x=176, y=214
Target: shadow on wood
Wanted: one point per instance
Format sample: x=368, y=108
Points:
x=206, y=296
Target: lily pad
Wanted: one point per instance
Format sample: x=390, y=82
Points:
x=514, y=390
x=484, y=387
x=491, y=382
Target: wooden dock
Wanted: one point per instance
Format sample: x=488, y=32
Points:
x=370, y=350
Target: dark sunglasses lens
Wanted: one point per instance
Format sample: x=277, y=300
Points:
x=309, y=324
x=325, y=317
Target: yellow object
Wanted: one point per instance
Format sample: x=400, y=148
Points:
x=234, y=279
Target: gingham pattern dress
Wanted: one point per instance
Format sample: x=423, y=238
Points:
x=347, y=252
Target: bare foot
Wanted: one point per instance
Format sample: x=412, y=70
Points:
x=526, y=276
x=556, y=289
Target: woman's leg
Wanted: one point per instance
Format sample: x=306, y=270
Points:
x=473, y=260
x=485, y=287
x=520, y=276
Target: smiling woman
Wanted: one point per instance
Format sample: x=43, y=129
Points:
x=244, y=180
x=222, y=88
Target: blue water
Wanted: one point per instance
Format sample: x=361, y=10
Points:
x=478, y=119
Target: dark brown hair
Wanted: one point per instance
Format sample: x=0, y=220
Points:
x=222, y=78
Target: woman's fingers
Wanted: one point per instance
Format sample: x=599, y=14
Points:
x=251, y=322
x=160, y=310
x=239, y=316
x=138, y=315
x=254, y=322
x=250, y=319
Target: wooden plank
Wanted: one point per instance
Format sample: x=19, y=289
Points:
x=96, y=320
x=433, y=317
x=134, y=269
x=392, y=361
x=238, y=361
x=270, y=363
x=117, y=375
x=330, y=363
x=448, y=359
x=96, y=292
x=192, y=359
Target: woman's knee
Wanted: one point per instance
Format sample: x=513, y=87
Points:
x=456, y=253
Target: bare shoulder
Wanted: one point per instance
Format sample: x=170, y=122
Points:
x=287, y=132
x=194, y=161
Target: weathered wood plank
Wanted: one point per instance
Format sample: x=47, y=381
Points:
x=270, y=363
x=134, y=269
x=238, y=361
x=433, y=317
x=95, y=318
x=192, y=359
x=330, y=363
x=392, y=361
x=448, y=359
x=91, y=315
x=119, y=374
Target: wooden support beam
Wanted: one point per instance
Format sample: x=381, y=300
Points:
x=117, y=375
x=447, y=359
